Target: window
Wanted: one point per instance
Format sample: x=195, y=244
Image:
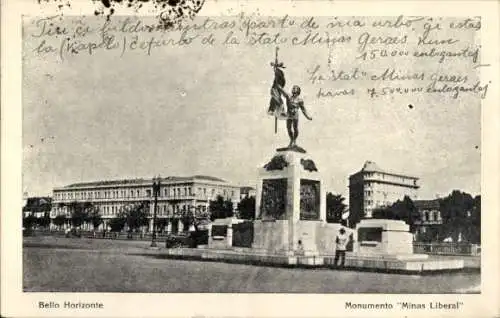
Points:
x=138, y=194
x=436, y=216
x=426, y=216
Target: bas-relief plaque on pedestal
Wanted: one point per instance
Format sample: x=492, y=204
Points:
x=370, y=234
x=309, y=199
x=273, y=200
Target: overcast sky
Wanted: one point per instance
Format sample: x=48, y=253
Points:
x=188, y=111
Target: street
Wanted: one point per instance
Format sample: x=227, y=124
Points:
x=86, y=265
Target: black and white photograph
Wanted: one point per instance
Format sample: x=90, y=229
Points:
x=170, y=150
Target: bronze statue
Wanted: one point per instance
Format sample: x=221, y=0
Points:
x=293, y=103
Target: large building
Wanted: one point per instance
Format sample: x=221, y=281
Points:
x=373, y=187
x=177, y=194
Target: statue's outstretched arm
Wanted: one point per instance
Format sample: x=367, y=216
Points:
x=304, y=111
x=282, y=91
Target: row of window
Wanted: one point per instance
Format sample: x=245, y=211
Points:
x=384, y=176
x=378, y=203
x=428, y=216
x=138, y=193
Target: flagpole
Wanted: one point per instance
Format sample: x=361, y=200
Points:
x=275, y=66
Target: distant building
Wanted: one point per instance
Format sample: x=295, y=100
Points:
x=430, y=215
x=246, y=192
x=177, y=194
x=373, y=187
x=37, y=206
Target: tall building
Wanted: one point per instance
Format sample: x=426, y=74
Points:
x=373, y=187
x=177, y=194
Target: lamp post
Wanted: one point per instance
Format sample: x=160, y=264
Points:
x=156, y=191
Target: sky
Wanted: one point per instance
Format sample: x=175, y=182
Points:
x=202, y=110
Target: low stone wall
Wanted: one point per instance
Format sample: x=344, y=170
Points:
x=447, y=248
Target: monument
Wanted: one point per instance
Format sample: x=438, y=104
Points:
x=290, y=213
x=290, y=196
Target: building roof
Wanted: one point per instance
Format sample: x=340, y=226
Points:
x=141, y=180
x=370, y=166
x=427, y=204
x=208, y=178
x=246, y=189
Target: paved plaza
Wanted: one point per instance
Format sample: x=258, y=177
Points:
x=92, y=265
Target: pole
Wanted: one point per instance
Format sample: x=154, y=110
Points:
x=275, y=66
x=156, y=186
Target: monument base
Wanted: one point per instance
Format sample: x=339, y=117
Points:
x=282, y=237
x=353, y=262
x=317, y=237
x=383, y=237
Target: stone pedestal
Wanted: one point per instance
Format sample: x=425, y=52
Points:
x=225, y=241
x=290, y=204
x=383, y=237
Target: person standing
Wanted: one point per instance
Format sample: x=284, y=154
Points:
x=341, y=244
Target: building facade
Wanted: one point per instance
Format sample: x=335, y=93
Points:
x=430, y=215
x=373, y=187
x=246, y=192
x=176, y=195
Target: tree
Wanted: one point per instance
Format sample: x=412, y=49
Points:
x=384, y=212
x=246, y=208
x=404, y=210
x=45, y=220
x=161, y=224
x=59, y=220
x=29, y=221
x=476, y=220
x=197, y=219
x=187, y=218
x=137, y=216
x=80, y=212
x=456, y=212
x=95, y=218
x=335, y=206
x=117, y=223
x=220, y=208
